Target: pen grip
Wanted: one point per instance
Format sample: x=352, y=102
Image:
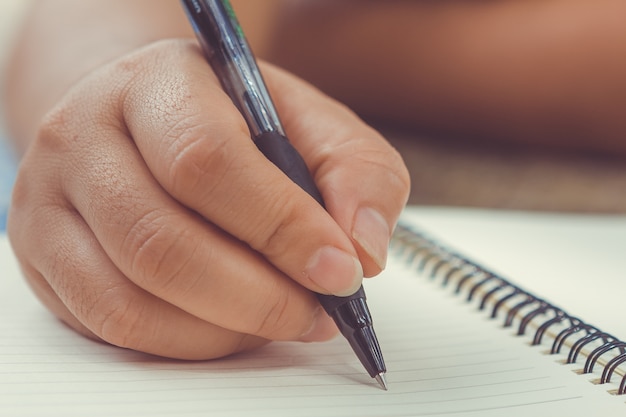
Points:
x=281, y=153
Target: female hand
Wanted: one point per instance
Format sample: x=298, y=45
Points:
x=144, y=215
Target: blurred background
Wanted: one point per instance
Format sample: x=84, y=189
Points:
x=445, y=172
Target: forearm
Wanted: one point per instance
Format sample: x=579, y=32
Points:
x=541, y=72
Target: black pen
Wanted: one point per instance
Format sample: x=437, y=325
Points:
x=229, y=55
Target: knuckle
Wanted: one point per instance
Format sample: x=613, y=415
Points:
x=53, y=132
x=273, y=317
x=161, y=258
x=400, y=171
x=199, y=156
x=273, y=237
x=23, y=194
x=191, y=158
x=382, y=161
x=83, y=113
x=121, y=320
x=146, y=245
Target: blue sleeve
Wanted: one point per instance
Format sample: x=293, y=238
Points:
x=7, y=176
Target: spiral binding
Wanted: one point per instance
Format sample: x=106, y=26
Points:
x=487, y=288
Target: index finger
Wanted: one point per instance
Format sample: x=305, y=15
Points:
x=198, y=147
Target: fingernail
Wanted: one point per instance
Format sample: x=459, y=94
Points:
x=371, y=232
x=323, y=328
x=336, y=271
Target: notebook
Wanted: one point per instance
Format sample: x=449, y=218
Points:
x=556, y=279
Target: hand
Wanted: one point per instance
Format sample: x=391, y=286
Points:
x=143, y=214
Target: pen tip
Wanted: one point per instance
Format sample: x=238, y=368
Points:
x=381, y=380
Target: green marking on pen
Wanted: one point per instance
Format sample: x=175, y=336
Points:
x=233, y=16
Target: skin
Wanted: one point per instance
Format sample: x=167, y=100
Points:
x=144, y=216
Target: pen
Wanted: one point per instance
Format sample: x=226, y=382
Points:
x=228, y=53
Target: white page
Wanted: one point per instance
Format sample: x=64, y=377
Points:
x=578, y=262
x=443, y=358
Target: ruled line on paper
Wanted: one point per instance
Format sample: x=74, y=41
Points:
x=455, y=363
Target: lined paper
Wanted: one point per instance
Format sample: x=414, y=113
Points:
x=444, y=358
x=575, y=261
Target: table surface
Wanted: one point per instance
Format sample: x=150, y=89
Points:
x=512, y=177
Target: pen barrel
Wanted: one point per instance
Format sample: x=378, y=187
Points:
x=350, y=313
x=281, y=153
x=228, y=53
